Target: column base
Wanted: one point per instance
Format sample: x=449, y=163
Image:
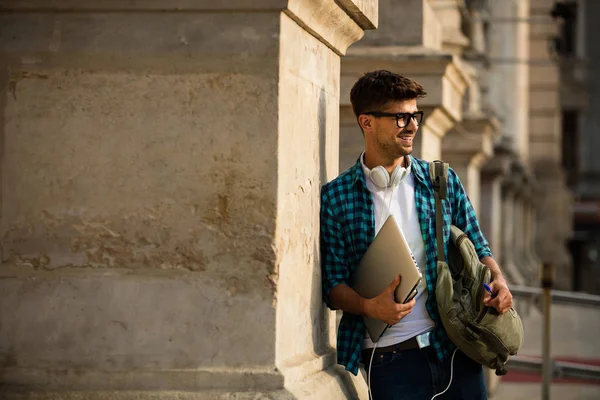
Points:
x=333, y=383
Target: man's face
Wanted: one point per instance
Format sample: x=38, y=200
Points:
x=388, y=139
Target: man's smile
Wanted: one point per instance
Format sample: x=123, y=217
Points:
x=405, y=138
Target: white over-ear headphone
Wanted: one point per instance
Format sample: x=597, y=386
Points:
x=380, y=177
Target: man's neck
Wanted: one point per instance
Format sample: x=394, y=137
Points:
x=373, y=160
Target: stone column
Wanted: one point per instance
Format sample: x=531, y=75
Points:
x=450, y=16
x=490, y=215
x=160, y=196
x=467, y=148
x=508, y=260
x=529, y=219
x=519, y=234
x=412, y=47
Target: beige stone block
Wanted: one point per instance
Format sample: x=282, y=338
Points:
x=540, y=5
x=542, y=28
x=542, y=149
x=124, y=331
x=449, y=14
x=539, y=50
x=544, y=99
x=544, y=76
x=545, y=126
x=90, y=213
x=414, y=23
x=351, y=139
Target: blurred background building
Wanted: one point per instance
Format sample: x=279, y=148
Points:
x=512, y=107
x=577, y=51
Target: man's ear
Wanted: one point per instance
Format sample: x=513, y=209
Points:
x=364, y=121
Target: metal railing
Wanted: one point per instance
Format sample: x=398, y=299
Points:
x=544, y=296
x=535, y=294
x=559, y=369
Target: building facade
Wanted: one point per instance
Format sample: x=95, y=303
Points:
x=493, y=113
x=578, y=53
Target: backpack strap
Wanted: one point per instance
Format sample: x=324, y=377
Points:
x=438, y=172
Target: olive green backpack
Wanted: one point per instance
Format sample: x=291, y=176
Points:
x=480, y=332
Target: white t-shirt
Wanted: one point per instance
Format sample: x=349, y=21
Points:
x=402, y=206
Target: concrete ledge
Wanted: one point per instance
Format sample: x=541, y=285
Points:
x=364, y=12
x=181, y=331
x=208, y=379
x=141, y=395
x=333, y=384
x=338, y=24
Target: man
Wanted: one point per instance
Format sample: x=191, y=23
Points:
x=412, y=358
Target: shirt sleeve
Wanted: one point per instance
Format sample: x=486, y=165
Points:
x=333, y=251
x=463, y=216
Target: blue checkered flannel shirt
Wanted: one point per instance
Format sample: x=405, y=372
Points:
x=348, y=228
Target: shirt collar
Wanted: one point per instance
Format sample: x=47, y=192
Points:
x=357, y=173
x=418, y=169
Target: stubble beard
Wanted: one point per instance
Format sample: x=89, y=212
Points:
x=392, y=150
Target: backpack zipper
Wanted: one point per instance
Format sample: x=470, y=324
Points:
x=485, y=308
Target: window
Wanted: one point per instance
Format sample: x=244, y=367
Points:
x=566, y=43
x=570, y=145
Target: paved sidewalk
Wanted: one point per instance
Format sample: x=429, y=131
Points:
x=574, y=338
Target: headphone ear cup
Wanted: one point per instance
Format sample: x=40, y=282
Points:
x=380, y=177
x=397, y=175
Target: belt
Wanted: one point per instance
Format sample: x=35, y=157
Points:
x=415, y=342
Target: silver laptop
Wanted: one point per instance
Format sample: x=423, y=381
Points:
x=388, y=256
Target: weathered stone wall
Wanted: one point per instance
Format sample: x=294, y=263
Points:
x=160, y=194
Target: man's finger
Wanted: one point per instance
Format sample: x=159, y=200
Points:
x=495, y=303
x=487, y=298
x=405, y=306
x=402, y=314
x=506, y=304
x=392, y=286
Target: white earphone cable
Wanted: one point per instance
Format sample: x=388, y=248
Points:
x=385, y=214
x=369, y=374
x=451, y=374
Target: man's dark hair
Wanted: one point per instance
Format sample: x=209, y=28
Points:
x=376, y=89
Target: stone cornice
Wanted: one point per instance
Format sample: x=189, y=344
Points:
x=441, y=73
x=519, y=181
x=328, y=22
x=337, y=23
x=438, y=120
x=437, y=61
x=472, y=138
x=499, y=165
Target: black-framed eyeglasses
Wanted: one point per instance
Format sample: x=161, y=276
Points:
x=402, y=119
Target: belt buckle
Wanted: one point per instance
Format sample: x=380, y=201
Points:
x=423, y=340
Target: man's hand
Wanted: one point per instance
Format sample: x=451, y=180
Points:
x=385, y=308
x=503, y=298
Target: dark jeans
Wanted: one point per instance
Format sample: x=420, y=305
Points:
x=418, y=375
